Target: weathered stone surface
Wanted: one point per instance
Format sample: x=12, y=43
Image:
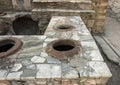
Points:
x=48, y=71
x=69, y=72
x=114, y=9
x=28, y=74
x=53, y=60
x=14, y=75
x=41, y=81
x=3, y=74
x=26, y=62
x=22, y=5
x=31, y=67
x=38, y=59
x=16, y=67
x=64, y=4
x=43, y=54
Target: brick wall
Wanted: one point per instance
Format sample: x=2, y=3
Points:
x=100, y=8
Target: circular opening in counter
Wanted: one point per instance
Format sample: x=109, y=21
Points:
x=9, y=46
x=63, y=45
x=25, y=26
x=63, y=48
x=64, y=27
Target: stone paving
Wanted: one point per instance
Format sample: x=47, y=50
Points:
x=33, y=63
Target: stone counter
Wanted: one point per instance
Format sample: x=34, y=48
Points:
x=32, y=65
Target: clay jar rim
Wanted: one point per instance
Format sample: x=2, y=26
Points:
x=2, y=13
x=63, y=54
x=16, y=47
x=64, y=27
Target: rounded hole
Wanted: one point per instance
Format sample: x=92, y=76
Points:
x=25, y=26
x=64, y=27
x=5, y=46
x=9, y=46
x=63, y=48
x=63, y=45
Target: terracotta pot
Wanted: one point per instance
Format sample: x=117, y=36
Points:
x=2, y=13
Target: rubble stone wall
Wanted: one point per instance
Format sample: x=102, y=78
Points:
x=8, y=5
x=5, y=5
x=114, y=9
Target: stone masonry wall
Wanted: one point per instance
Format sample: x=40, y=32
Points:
x=114, y=9
x=8, y=5
x=99, y=5
x=5, y=5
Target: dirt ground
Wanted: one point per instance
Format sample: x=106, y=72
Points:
x=115, y=69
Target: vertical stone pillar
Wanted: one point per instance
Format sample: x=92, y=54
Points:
x=22, y=4
x=27, y=4
x=100, y=7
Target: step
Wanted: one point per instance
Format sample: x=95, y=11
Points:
x=48, y=13
x=87, y=1
x=63, y=4
x=61, y=10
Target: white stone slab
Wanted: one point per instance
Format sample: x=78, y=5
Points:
x=16, y=67
x=48, y=71
x=14, y=75
x=38, y=59
x=101, y=68
x=3, y=74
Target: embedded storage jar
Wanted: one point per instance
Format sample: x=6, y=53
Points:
x=9, y=46
x=63, y=48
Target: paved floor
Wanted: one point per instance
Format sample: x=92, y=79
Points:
x=115, y=70
x=112, y=33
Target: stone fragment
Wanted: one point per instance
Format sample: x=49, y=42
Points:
x=68, y=71
x=4, y=83
x=28, y=74
x=26, y=62
x=41, y=82
x=44, y=45
x=3, y=74
x=38, y=59
x=43, y=54
x=42, y=37
x=90, y=82
x=16, y=67
x=76, y=37
x=31, y=67
x=31, y=83
x=14, y=75
x=71, y=74
x=48, y=71
x=53, y=60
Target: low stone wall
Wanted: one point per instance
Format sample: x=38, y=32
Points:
x=114, y=9
x=5, y=5
x=17, y=5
